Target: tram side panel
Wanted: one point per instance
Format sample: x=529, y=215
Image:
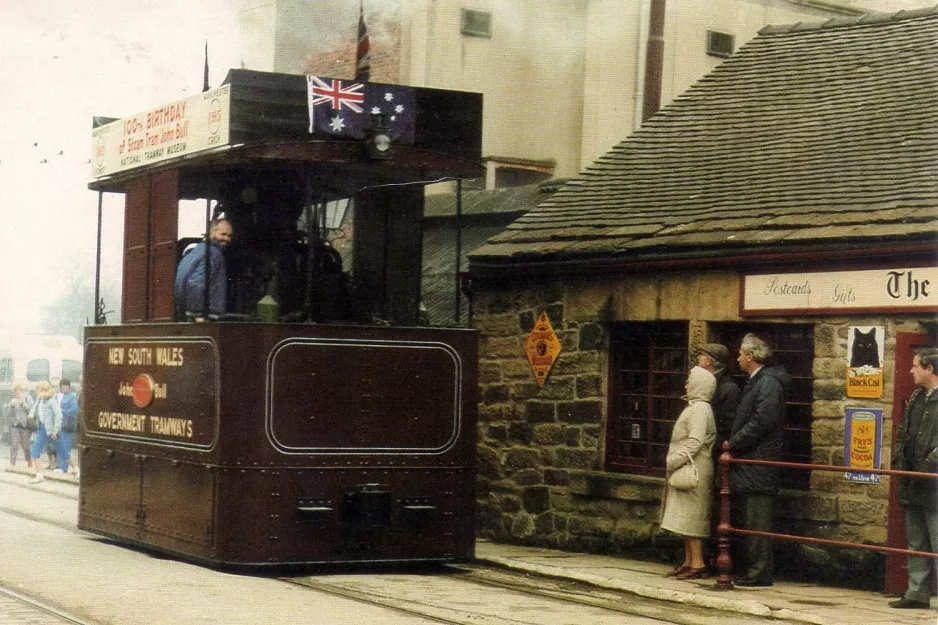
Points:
x=257, y=444
x=370, y=452
x=150, y=437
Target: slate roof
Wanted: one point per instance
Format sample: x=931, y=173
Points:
x=485, y=214
x=810, y=136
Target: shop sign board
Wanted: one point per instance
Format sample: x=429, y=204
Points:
x=863, y=444
x=170, y=131
x=907, y=289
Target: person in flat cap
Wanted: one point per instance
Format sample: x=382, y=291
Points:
x=714, y=358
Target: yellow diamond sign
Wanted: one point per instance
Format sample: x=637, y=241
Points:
x=542, y=348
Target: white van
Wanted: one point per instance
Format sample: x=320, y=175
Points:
x=34, y=358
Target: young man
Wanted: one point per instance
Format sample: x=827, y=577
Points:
x=916, y=449
x=758, y=433
x=189, y=287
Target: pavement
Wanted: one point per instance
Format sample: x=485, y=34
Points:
x=783, y=602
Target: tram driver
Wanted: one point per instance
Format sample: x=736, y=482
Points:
x=189, y=287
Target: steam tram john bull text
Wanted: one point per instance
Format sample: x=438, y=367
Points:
x=326, y=428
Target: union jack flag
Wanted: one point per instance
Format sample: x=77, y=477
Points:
x=343, y=108
x=336, y=93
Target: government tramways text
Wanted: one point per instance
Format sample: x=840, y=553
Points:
x=317, y=420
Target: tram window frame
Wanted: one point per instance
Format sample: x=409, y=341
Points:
x=793, y=348
x=648, y=365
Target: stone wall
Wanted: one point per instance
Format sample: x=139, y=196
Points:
x=541, y=449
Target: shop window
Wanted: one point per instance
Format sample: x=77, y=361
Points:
x=648, y=367
x=793, y=348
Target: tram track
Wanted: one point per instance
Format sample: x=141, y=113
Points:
x=14, y=604
x=456, y=594
x=539, y=588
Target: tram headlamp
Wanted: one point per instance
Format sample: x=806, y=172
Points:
x=378, y=137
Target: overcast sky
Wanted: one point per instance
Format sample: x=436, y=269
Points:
x=65, y=61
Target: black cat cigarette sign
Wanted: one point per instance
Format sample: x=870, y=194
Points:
x=865, y=361
x=909, y=289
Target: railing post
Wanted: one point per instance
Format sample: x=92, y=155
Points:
x=724, y=560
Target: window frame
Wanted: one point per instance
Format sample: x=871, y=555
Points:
x=665, y=342
x=798, y=359
x=793, y=347
x=468, y=26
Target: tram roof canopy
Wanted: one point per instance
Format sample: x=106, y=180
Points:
x=810, y=137
x=257, y=120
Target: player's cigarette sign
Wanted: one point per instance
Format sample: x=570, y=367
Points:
x=542, y=348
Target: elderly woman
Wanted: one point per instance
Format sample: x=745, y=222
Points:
x=687, y=510
x=49, y=416
x=19, y=406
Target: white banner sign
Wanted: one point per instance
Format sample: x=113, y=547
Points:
x=908, y=289
x=169, y=131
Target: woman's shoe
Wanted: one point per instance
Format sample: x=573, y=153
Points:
x=677, y=570
x=691, y=573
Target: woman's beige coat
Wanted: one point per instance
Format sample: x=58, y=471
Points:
x=687, y=512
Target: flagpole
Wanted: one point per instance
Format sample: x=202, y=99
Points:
x=205, y=70
x=362, y=47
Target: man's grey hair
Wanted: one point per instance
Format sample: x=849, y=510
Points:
x=928, y=357
x=757, y=348
x=213, y=225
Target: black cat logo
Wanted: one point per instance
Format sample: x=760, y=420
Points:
x=865, y=349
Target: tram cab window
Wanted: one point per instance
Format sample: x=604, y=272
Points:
x=279, y=248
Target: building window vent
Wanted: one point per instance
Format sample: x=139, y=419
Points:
x=720, y=44
x=476, y=23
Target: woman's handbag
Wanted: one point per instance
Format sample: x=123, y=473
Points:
x=685, y=477
x=31, y=422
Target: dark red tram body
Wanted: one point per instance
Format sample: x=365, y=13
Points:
x=342, y=432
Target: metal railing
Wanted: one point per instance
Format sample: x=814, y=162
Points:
x=724, y=563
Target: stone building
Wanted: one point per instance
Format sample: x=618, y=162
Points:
x=791, y=192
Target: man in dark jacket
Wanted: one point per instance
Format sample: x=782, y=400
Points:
x=714, y=358
x=758, y=433
x=916, y=449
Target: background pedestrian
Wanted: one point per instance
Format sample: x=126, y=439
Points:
x=20, y=433
x=68, y=402
x=49, y=416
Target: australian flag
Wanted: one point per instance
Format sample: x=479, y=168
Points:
x=343, y=108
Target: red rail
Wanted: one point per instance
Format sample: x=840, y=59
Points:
x=724, y=529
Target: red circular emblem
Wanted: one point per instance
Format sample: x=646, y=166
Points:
x=143, y=390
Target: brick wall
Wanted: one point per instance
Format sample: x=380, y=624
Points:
x=541, y=449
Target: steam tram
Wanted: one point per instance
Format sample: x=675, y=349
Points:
x=317, y=421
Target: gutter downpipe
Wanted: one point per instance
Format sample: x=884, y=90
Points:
x=643, y=19
x=654, y=60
